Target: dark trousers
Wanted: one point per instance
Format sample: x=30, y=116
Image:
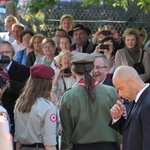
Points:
x=97, y=146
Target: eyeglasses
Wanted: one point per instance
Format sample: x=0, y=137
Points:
x=100, y=67
x=5, y=52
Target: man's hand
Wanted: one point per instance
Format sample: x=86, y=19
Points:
x=117, y=110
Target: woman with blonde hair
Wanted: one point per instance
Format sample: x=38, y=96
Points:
x=35, y=44
x=132, y=55
x=142, y=37
x=63, y=79
x=66, y=22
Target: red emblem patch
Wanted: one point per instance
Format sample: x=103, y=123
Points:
x=53, y=117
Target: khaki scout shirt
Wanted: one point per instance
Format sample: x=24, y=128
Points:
x=37, y=126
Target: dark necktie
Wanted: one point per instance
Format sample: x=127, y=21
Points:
x=131, y=109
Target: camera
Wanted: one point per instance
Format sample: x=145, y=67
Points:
x=106, y=32
x=4, y=59
x=67, y=70
x=104, y=46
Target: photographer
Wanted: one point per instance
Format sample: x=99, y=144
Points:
x=107, y=47
x=106, y=32
x=63, y=79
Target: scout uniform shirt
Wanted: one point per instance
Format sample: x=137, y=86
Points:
x=37, y=126
x=86, y=121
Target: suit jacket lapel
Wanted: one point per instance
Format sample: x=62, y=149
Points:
x=146, y=91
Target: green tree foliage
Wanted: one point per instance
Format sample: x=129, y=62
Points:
x=35, y=5
x=143, y=4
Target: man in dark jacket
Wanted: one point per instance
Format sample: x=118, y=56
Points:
x=100, y=69
x=80, y=36
x=135, y=128
x=18, y=74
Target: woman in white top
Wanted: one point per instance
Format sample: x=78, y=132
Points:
x=63, y=79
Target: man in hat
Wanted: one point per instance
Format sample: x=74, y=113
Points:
x=80, y=36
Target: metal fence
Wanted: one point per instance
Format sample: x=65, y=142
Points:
x=96, y=17
x=93, y=17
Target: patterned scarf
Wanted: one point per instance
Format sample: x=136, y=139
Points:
x=132, y=55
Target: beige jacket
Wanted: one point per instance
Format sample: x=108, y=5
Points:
x=120, y=59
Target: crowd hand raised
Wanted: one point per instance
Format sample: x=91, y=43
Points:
x=97, y=49
x=98, y=35
x=117, y=110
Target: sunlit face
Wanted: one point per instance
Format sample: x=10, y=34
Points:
x=16, y=31
x=64, y=44
x=67, y=24
x=7, y=51
x=58, y=35
x=65, y=61
x=9, y=22
x=26, y=40
x=80, y=37
x=48, y=49
x=130, y=41
x=37, y=44
x=100, y=70
x=125, y=89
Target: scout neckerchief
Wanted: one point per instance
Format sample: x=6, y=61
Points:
x=82, y=83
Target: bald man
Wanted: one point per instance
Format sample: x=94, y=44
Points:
x=136, y=128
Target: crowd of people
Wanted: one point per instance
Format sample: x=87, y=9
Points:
x=70, y=92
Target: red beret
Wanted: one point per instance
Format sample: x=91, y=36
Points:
x=4, y=77
x=41, y=71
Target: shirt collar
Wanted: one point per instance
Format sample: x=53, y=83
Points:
x=102, y=81
x=139, y=94
x=8, y=67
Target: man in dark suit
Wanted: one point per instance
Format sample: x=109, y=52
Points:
x=100, y=69
x=18, y=74
x=136, y=128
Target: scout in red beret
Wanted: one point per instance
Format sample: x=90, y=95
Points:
x=42, y=71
